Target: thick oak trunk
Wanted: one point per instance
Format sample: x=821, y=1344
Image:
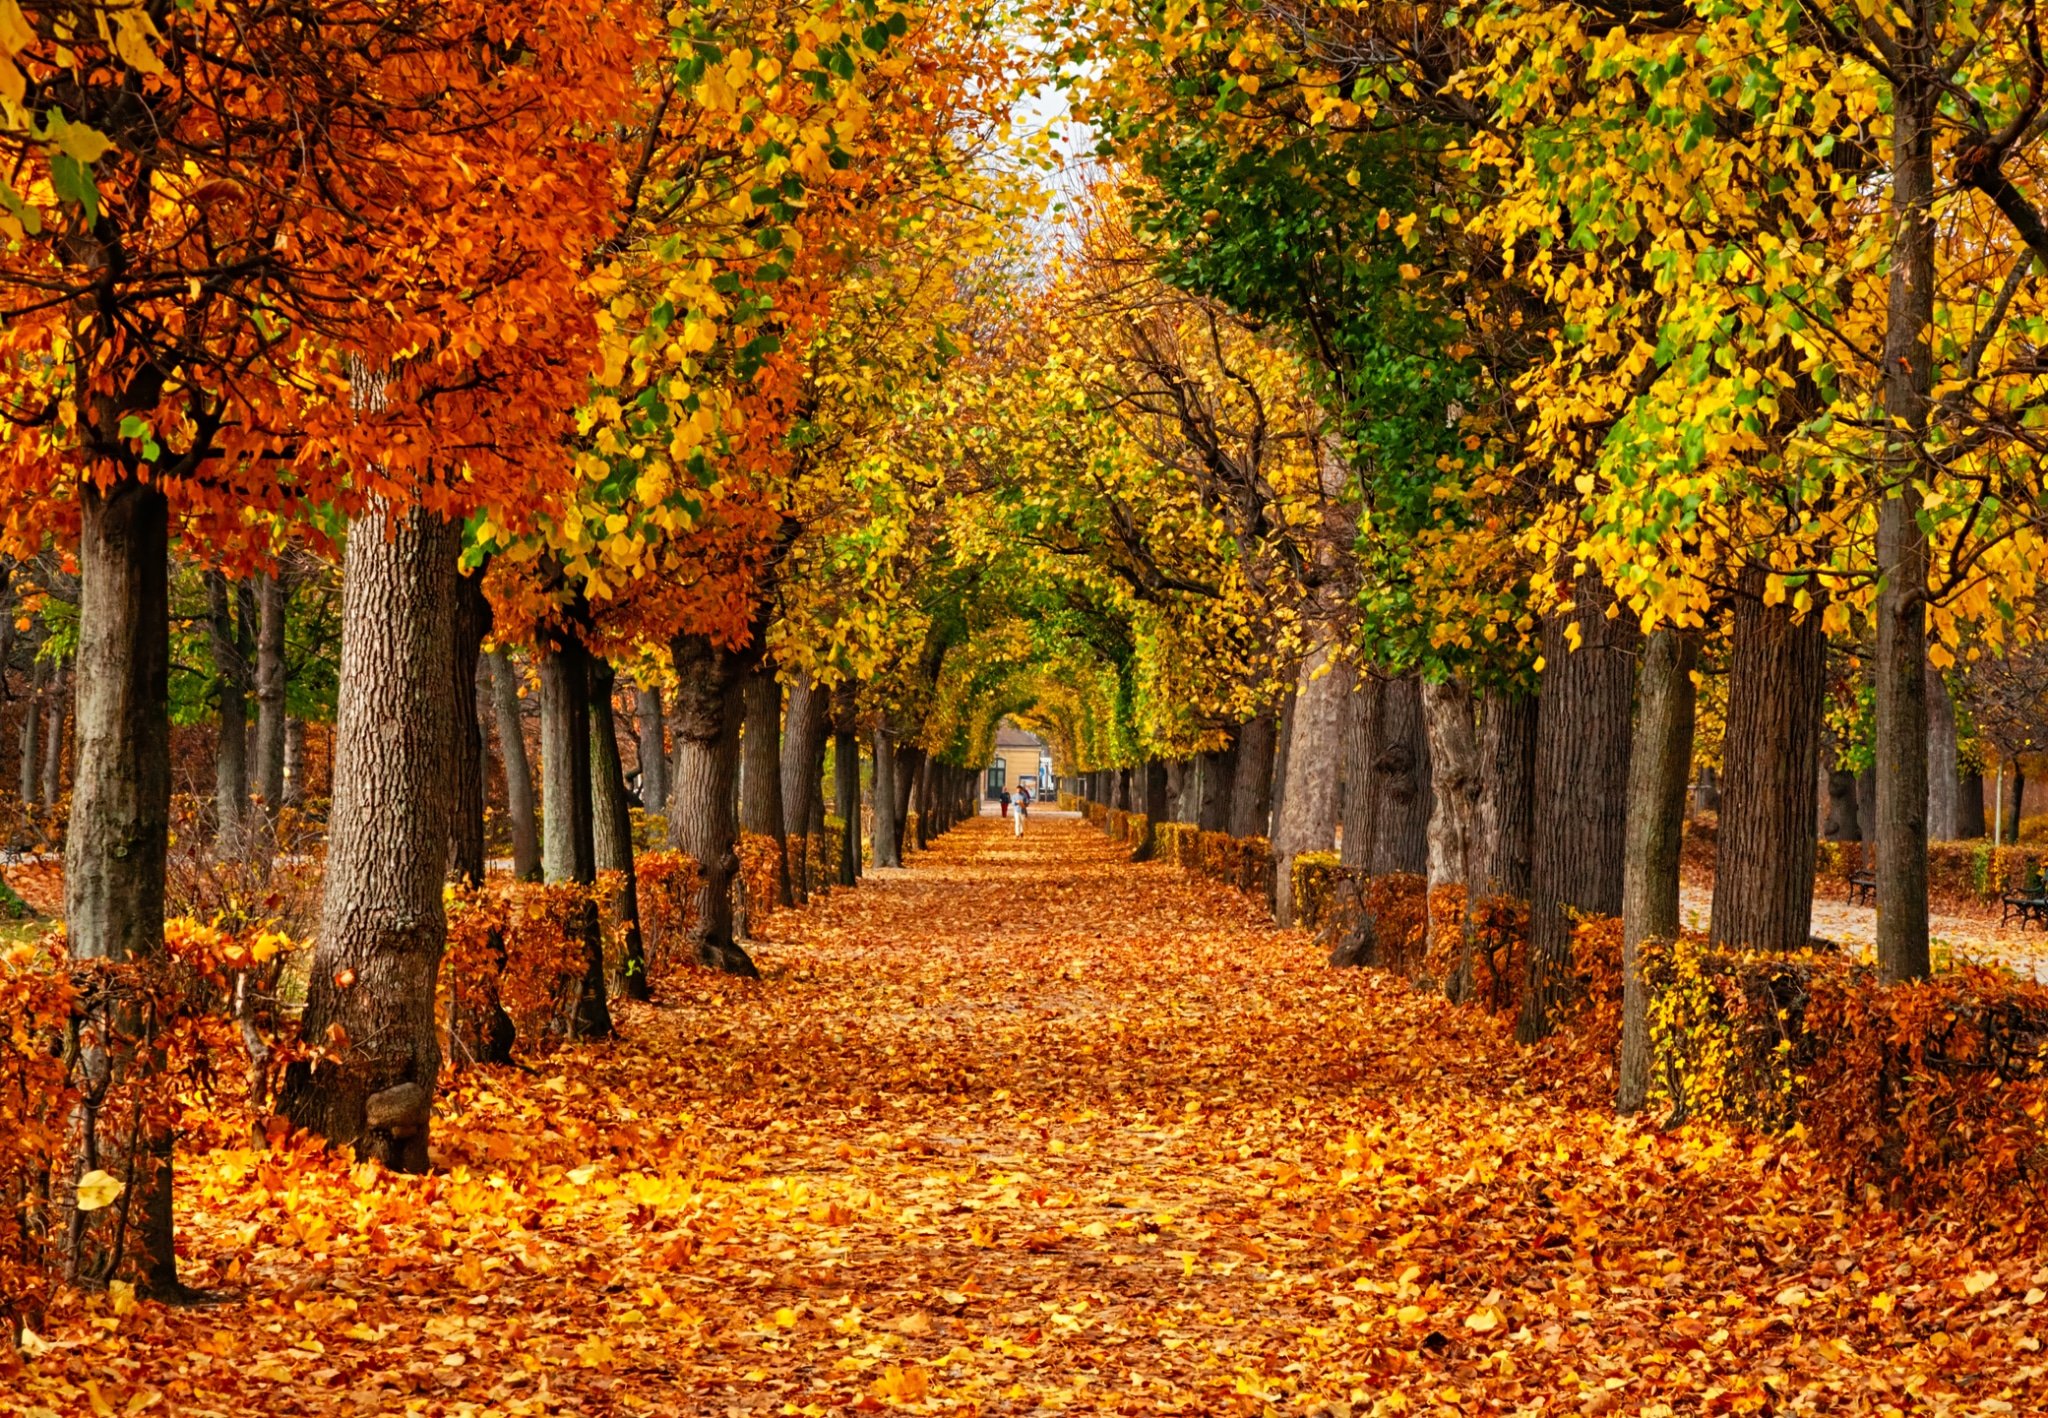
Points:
x=1251, y=795
x=1844, y=821
x=370, y=997
x=1307, y=817
x=1217, y=771
x=908, y=762
x=1363, y=721
x=612, y=827
x=1507, y=797
x=1152, y=793
x=708, y=710
x=1770, y=764
x=1582, y=749
x=519, y=801
x=1456, y=776
x=114, y=852
x=1402, y=773
x=1660, y=763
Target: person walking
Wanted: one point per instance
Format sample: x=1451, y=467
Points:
x=1023, y=806
x=1004, y=798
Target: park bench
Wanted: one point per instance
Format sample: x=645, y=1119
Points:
x=2029, y=903
x=1862, y=888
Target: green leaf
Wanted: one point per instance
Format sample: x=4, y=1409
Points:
x=72, y=181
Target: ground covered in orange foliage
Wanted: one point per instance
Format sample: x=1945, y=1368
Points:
x=1028, y=1130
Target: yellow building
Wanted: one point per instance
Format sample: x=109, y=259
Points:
x=1019, y=757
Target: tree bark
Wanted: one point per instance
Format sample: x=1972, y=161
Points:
x=32, y=732
x=1218, y=775
x=1900, y=830
x=1660, y=764
x=1970, y=813
x=1507, y=797
x=1944, y=763
x=1582, y=751
x=53, y=739
x=653, y=750
x=1763, y=865
x=1844, y=820
x=1363, y=722
x=1307, y=818
x=267, y=755
x=1153, y=791
x=846, y=780
x=294, y=762
x=1456, y=778
x=370, y=999
x=231, y=738
x=885, y=832
x=612, y=827
x=569, y=845
x=466, y=837
x=761, y=772
x=708, y=710
x=119, y=832
x=519, y=804
x=908, y=761
x=803, y=746
x=1402, y=772
x=1251, y=795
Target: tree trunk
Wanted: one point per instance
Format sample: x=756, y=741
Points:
x=1944, y=763
x=472, y=624
x=294, y=762
x=569, y=843
x=1402, y=771
x=612, y=828
x=885, y=831
x=709, y=706
x=1763, y=864
x=1844, y=821
x=1582, y=750
x=231, y=738
x=908, y=761
x=1251, y=795
x=2018, y=801
x=1307, y=818
x=761, y=773
x=1218, y=774
x=1507, y=796
x=267, y=753
x=803, y=746
x=1866, y=807
x=1660, y=762
x=370, y=999
x=653, y=750
x=1970, y=811
x=846, y=781
x=31, y=732
x=115, y=847
x=519, y=803
x=1363, y=721
x=53, y=740
x=1900, y=831
x=1456, y=779
x=1153, y=791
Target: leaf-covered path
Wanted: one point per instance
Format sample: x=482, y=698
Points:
x=1026, y=1129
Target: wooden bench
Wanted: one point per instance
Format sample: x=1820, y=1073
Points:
x=1862, y=888
x=2027, y=905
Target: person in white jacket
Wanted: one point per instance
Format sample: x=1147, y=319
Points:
x=1019, y=806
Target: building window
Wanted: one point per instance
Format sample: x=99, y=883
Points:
x=996, y=777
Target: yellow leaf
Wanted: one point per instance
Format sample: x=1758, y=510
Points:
x=96, y=1190
x=15, y=34
x=1978, y=1281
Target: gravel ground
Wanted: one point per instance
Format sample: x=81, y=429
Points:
x=1971, y=937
